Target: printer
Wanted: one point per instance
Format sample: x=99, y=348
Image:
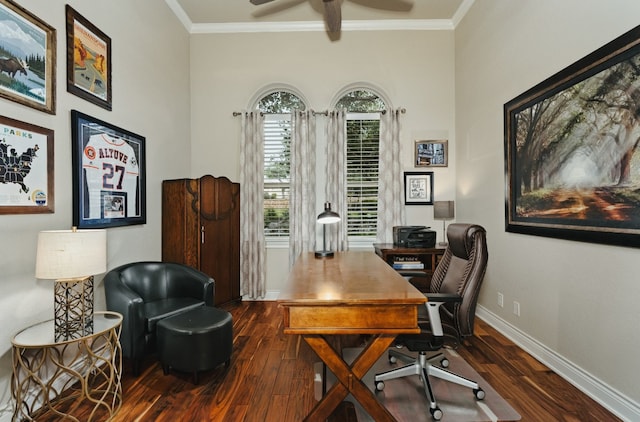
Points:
x=414, y=237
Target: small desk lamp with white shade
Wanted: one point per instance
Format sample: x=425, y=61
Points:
x=72, y=258
x=326, y=217
x=443, y=210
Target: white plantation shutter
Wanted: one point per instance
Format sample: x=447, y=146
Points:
x=363, y=145
x=277, y=174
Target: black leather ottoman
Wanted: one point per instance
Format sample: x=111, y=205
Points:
x=196, y=340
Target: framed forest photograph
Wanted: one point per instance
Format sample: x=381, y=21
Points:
x=572, y=159
x=109, y=184
x=27, y=58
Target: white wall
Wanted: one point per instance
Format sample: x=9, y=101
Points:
x=414, y=69
x=151, y=98
x=579, y=300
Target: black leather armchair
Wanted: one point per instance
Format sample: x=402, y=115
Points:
x=450, y=311
x=146, y=292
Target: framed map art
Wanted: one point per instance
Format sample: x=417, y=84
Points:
x=26, y=168
x=109, y=184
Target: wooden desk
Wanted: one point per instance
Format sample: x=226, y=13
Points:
x=352, y=293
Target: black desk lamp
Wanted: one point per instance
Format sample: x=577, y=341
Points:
x=324, y=218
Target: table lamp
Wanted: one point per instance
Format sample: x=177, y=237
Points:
x=443, y=210
x=326, y=217
x=72, y=258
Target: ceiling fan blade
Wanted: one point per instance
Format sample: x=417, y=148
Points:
x=332, y=15
x=259, y=2
x=391, y=5
x=276, y=7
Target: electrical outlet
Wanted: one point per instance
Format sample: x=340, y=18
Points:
x=500, y=300
x=516, y=308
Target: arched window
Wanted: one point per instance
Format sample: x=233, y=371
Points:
x=277, y=107
x=363, y=109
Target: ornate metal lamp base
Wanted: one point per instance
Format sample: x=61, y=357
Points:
x=73, y=308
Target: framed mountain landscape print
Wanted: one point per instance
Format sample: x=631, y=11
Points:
x=27, y=58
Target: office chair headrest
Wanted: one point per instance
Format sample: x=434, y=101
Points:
x=461, y=237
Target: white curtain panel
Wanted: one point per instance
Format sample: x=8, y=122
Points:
x=390, y=184
x=252, y=244
x=302, y=204
x=336, y=187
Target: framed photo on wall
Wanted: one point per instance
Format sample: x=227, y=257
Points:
x=88, y=60
x=27, y=58
x=572, y=150
x=431, y=154
x=26, y=168
x=109, y=184
x=418, y=188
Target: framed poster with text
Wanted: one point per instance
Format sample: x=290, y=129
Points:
x=88, y=60
x=26, y=168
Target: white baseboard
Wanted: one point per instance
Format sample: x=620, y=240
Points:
x=613, y=400
x=271, y=295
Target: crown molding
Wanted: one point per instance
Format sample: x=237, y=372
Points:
x=180, y=14
x=318, y=26
x=461, y=12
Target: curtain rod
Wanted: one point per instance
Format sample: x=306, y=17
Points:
x=324, y=113
x=401, y=110
x=239, y=113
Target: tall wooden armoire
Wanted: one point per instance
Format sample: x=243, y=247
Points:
x=201, y=228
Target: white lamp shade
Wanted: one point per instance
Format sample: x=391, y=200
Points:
x=68, y=254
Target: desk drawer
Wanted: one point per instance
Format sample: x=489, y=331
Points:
x=354, y=319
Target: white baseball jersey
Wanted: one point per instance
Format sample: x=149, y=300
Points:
x=110, y=165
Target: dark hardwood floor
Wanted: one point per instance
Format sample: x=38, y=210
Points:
x=271, y=379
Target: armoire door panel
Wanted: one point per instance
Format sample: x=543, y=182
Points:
x=201, y=227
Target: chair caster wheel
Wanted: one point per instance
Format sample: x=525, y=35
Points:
x=436, y=414
x=479, y=393
x=379, y=385
x=444, y=362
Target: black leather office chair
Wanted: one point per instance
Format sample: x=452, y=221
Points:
x=147, y=292
x=451, y=303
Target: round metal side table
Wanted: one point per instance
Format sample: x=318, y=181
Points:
x=59, y=379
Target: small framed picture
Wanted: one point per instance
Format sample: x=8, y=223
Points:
x=88, y=60
x=26, y=168
x=431, y=154
x=418, y=188
x=109, y=187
